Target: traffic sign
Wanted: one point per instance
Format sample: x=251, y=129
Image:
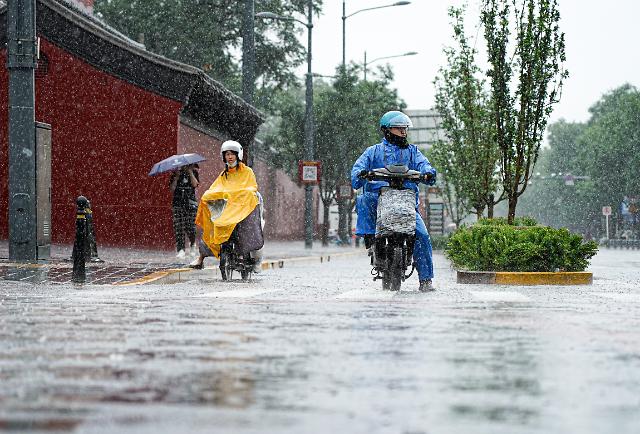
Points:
x=344, y=191
x=606, y=210
x=309, y=172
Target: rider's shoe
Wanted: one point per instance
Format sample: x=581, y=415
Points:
x=426, y=286
x=197, y=263
x=181, y=254
x=193, y=251
x=257, y=268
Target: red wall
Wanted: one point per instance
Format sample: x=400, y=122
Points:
x=106, y=136
x=192, y=140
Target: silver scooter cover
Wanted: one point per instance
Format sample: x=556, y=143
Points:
x=396, y=212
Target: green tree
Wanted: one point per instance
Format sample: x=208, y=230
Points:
x=609, y=150
x=346, y=118
x=605, y=149
x=526, y=75
x=208, y=34
x=469, y=158
x=549, y=198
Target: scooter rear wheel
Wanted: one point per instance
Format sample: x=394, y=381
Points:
x=226, y=267
x=396, y=269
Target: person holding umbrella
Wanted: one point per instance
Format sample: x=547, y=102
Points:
x=183, y=185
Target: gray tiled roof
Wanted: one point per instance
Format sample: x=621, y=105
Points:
x=205, y=100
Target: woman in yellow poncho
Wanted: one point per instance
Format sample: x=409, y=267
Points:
x=232, y=198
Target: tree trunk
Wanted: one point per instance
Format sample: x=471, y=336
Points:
x=342, y=221
x=350, y=204
x=490, y=205
x=325, y=223
x=513, y=201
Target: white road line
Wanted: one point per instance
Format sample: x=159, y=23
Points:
x=503, y=296
x=238, y=293
x=633, y=298
x=366, y=294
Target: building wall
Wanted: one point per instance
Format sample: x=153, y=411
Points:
x=284, y=202
x=106, y=136
x=207, y=144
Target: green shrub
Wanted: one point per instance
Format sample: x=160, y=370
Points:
x=502, y=247
x=518, y=221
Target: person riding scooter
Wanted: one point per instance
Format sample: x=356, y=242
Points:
x=394, y=149
x=232, y=199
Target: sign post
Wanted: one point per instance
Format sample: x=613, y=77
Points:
x=606, y=212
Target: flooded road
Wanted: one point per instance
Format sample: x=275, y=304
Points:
x=314, y=348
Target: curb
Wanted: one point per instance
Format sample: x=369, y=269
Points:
x=174, y=275
x=180, y=274
x=524, y=278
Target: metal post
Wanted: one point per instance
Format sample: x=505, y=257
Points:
x=308, y=136
x=344, y=20
x=607, y=222
x=21, y=63
x=365, y=65
x=80, y=246
x=248, y=52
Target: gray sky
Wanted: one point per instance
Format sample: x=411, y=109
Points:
x=600, y=38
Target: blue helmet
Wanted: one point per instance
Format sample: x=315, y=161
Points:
x=395, y=119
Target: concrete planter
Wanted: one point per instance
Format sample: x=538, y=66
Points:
x=525, y=278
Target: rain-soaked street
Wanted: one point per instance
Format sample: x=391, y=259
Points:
x=317, y=347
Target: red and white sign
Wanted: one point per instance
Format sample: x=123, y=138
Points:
x=344, y=191
x=606, y=210
x=309, y=172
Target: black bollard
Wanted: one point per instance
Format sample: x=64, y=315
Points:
x=80, y=246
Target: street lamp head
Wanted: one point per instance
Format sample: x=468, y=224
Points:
x=270, y=15
x=411, y=53
x=401, y=3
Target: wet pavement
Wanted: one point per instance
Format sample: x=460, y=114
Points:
x=117, y=266
x=318, y=347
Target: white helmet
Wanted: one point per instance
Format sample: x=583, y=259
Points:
x=231, y=145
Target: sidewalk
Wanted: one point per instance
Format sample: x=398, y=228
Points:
x=124, y=264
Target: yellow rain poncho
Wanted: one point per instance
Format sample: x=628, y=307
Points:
x=238, y=187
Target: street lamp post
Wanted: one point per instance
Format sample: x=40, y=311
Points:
x=308, y=119
x=410, y=53
x=248, y=52
x=344, y=20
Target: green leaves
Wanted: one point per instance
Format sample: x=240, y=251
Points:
x=525, y=83
x=605, y=149
x=502, y=247
x=468, y=158
x=208, y=34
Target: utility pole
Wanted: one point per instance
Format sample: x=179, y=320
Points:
x=21, y=63
x=248, y=52
x=308, y=135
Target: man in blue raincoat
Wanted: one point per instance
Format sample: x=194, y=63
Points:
x=394, y=149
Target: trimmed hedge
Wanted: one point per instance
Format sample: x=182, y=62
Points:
x=493, y=245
